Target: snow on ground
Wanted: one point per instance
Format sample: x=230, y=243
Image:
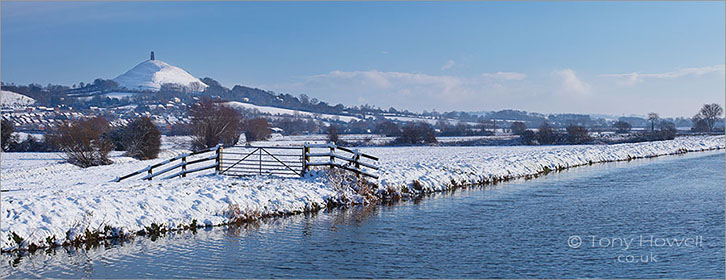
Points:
x=281, y=111
x=44, y=197
x=152, y=74
x=13, y=99
x=119, y=95
x=431, y=121
x=364, y=139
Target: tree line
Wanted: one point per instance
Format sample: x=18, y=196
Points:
x=88, y=141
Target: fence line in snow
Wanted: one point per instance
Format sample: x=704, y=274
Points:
x=264, y=160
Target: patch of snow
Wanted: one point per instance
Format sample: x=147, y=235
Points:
x=152, y=74
x=119, y=95
x=14, y=99
x=281, y=111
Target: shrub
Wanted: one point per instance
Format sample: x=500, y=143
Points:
x=546, y=134
x=577, y=134
x=667, y=130
x=257, y=129
x=622, y=127
x=333, y=134
x=116, y=138
x=141, y=139
x=528, y=137
x=213, y=124
x=179, y=129
x=7, y=130
x=699, y=125
x=387, y=128
x=518, y=128
x=84, y=142
x=31, y=144
x=417, y=133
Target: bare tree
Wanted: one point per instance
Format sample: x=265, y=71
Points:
x=213, y=123
x=141, y=139
x=545, y=134
x=709, y=113
x=699, y=124
x=528, y=137
x=622, y=127
x=257, y=129
x=667, y=130
x=653, y=117
x=333, y=134
x=388, y=128
x=84, y=142
x=577, y=134
x=417, y=133
x=518, y=128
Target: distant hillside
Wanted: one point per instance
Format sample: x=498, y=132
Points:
x=153, y=74
x=13, y=99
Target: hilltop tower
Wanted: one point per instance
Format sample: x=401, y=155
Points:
x=152, y=55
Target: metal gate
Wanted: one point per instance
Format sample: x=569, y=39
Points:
x=255, y=160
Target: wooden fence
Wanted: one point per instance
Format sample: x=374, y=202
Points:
x=185, y=160
x=263, y=160
x=340, y=157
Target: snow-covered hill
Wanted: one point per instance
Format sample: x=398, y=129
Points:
x=13, y=99
x=151, y=74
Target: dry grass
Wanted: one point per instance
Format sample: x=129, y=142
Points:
x=350, y=187
x=235, y=215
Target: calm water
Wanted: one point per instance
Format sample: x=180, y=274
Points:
x=513, y=230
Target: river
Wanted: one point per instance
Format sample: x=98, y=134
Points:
x=650, y=218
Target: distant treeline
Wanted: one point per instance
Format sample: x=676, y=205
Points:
x=86, y=95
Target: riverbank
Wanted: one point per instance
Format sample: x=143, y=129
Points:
x=521, y=220
x=49, y=203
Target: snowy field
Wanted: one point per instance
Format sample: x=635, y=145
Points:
x=45, y=200
x=280, y=111
x=278, y=140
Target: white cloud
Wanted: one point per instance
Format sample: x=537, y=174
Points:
x=505, y=76
x=422, y=91
x=399, y=82
x=570, y=83
x=405, y=90
x=448, y=65
x=635, y=77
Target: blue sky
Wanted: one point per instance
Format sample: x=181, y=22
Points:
x=593, y=57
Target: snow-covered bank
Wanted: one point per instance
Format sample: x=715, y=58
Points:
x=48, y=201
x=435, y=167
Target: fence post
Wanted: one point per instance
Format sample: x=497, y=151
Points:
x=331, y=145
x=149, y=172
x=356, y=158
x=184, y=167
x=219, y=159
x=305, y=158
x=260, y=161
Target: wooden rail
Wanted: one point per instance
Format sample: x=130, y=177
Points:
x=351, y=159
x=263, y=160
x=214, y=153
